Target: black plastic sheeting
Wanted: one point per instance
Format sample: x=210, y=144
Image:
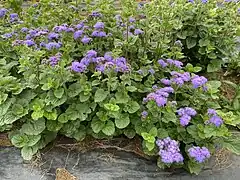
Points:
x=101, y=165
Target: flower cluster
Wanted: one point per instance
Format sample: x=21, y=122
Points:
x=180, y=78
x=144, y=114
x=199, y=81
x=214, y=118
x=159, y=96
x=3, y=12
x=169, y=151
x=199, y=154
x=186, y=115
x=170, y=62
x=53, y=60
x=102, y=63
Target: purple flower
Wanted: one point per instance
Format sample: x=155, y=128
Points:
x=55, y=59
x=151, y=71
x=140, y=72
x=78, y=67
x=86, y=61
x=184, y=120
x=98, y=34
x=60, y=28
x=53, y=45
x=70, y=29
x=155, y=87
x=178, y=64
x=91, y=54
x=138, y=31
x=95, y=14
x=108, y=56
x=131, y=27
x=204, y=1
x=162, y=63
x=144, y=114
x=198, y=81
x=169, y=151
x=191, y=1
x=185, y=115
x=24, y=29
x=212, y=112
x=52, y=36
x=78, y=34
x=199, y=154
x=42, y=44
x=29, y=43
x=100, y=68
x=216, y=120
x=161, y=101
x=131, y=20
x=80, y=25
x=7, y=35
x=86, y=40
x=13, y=16
x=99, y=25
x=166, y=82
x=167, y=89
x=3, y=12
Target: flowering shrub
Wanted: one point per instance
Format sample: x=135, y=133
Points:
x=104, y=75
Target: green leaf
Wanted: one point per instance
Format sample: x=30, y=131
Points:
x=83, y=97
x=17, y=109
x=112, y=107
x=150, y=146
x=5, y=106
x=109, y=128
x=194, y=167
x=19, y=140
x=80, y=134
x=232, y=144
x=169, y=117
x=129, y=132
x=121, y=97
x=63, y=118
x=37, y=114
x=74, y=89
x=153, y=131
x=236, y=104
x=148, y=137
x=51, y=115
x=58, y=93
x=191, y=42
x=97, y=125
x=123, y=121
x=38, y=104
x=131, y=88
x=162, y=133
x=100, y=95
x=133, y=107
x=54, y=126
x=214, y=66
x=203, y=42
x=32, y=140
x=102, y=115
x=33, y=127
x=28, y=152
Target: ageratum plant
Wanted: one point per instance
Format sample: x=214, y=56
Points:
x=103, y=74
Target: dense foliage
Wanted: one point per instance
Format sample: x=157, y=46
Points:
x=97, y=70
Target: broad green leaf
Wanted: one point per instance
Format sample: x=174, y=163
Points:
x=129, y=132
x=162, y=133
x=33, y=139
x=150, y=146
x=102, y=115
x=194, y=167
x=17, y=109
x=214, y=66
x=132, y=107
x=5, y=106
x=63, y=118
x=47, y=137
x=100, y=95
x=20, y=140
x=169, y=117
x=131, y=88
x=232, y=144
x=58, y=93
x=37, y=114
x=74, y=89
x=80, y=134
x=148, y=137
x=54, y=126
x=121, y=97
x=51, y=115
x=112, y=107
x=28, y=152
x=83, y=97
x=191, y=42
x=236, y=104
x=33, y=127
x=97, y=125
x=109, y=128
x=153, y=131
x=123, y=121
